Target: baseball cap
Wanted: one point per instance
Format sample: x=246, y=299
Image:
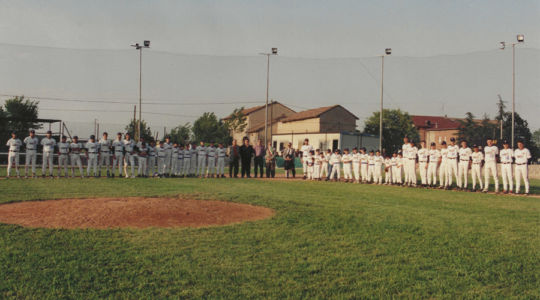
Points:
x=49, y=132
x=433, y=144
x=452, y=139
x=32, y=131
x=505, y=142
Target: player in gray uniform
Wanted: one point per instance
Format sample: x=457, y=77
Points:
x=180, y=162
x=174, y=159
x=105, y=153
x=31, y=143
x=187, y=161
x=193, y=167
x=151, y=158
x=221, y=154
x=63, y=156
x=167, y=146
x=201, y=159
x=161, y=151
x=129, y=157
x=118, y=156
x=48, y=144
x=142, y=149
x=14, y=145
x=75, y=157
x=212, y=155
x=92, y=149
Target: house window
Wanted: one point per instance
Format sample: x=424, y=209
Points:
x=274, y=144
x=281, y=147
x=334, y=144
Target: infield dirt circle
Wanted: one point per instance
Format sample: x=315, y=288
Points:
x=132, y=212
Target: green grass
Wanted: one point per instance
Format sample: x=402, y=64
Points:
x=327, y=240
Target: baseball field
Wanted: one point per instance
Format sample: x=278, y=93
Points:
x=317, y=240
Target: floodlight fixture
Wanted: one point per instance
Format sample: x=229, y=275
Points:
x=520, y=38
x=388, y=51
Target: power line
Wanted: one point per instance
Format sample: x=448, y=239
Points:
x=115, y=111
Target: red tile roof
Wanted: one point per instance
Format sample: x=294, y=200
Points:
x=311, y=113
x=435, y=122
x=249, y=110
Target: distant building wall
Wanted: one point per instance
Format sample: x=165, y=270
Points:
x=297, y=127
x=337, y=120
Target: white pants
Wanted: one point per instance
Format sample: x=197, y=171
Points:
x=395, y=173
x=452, y=171
x=463, y=174
x=507, y=178
x=92, y=163
x=304, y=166
x=422, y=167
x=31, y=158
x=476, y=169
x=201, y=164
x=129, y=159
x=221, y=166
x=371, y=173
x=187, y=166
x=356, y=170
x=443, y=174
x=432, y=173
x=151, y=165
x=13, y=161
x=412, y=171
x=491, y=166
x=143, y=168
x=76, y=160
x=377, y=172
x=168, y=162
x=179, y=166
x=193, y=165
x=63, y=162
x=104, y=160
x=118, y=162
x=316, y=171
x=324, y=170
x=47, y=161
x=310, y=170
x=211, y=165
x=364, y=172
x=347, y=171
x=388, y=175
x=522, y=171
x=161, y=165
x=336, y=169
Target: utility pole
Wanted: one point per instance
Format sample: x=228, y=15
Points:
x=138, y=47
x=273, y=52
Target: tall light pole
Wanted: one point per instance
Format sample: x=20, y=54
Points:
x=273, y=52
x=146, y=44
x=520, y=39
x=387, y=51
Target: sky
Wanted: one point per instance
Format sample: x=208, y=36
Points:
x=204, y=56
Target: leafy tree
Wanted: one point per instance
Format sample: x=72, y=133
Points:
x=181, y=133
x=536, y=137
x=4, y=130
x=238, y=121
x=475, y=132
x=521, y=132
x=396, y=125
x=21, y=115
x=146, y=132
x=208, y=128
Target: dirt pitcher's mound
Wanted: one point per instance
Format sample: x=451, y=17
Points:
x=129, y=212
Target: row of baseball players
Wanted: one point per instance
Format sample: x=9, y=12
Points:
x=116, y=156
x=449, y=162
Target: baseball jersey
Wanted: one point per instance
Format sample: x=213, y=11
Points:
x=465, y=154
x=63, y=148
x=490, y=153
x=193, y=152
x=104, y=145
x=444, y=154
x=174, y=152
x=168, y=148
x=201, y=151
x=394, y=161
x=161, y=151
x=221, y=152
x=92, y=147
x=387, y=162
x=306, y=150
x=335, y=159
x=14, y=144
x=413, y=151
x=371, y=160
x=151, y=151
x=75, y=148
x=347, y=158
x=211, y=151
x=405, y=150
x=187, y=153
x=180, y=154
x=31, y=143
x=423, y=155
x=379, y=161
x=48, y=144
x=522, y=156
x=143, y=150
x=129, y=145
x=506, y=156
x=477, y=157
x=118, y=146
x=310, y=160
x=356, y=158
x=434, y=156
x=453, y=151
x=364, y=158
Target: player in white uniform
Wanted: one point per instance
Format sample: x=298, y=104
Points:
x=506, y=156
x=161, y=151
x=14, y=145
x=305, y=149
x=317, y=163
x=395, y=172
x=335, y=161
x=63, y=156
x=221, y=154
x=371, y=167
x=356, y=164
x=451, y=164
x=212, y=155
x=522, y=156
x=105, y=154
x=443, y=172
x=118, y=156
x=325, y=165
x=476, y=168
x=92, y=150
x=387, y=170
x=413, y=153
x=464, y=165
x=364, y=157
x=379, y=160
x=168, y=147
x=129, y=157
x=405, y=161
x=201, y=159
x=31, y=143
x=423, y=157
x=311, y=165
x=48, y=144
x=434, y=161
x=75, y=156
x=490, y=159
x=347, y=165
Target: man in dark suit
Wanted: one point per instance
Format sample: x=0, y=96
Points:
x=246, y=153
x=234, y=156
